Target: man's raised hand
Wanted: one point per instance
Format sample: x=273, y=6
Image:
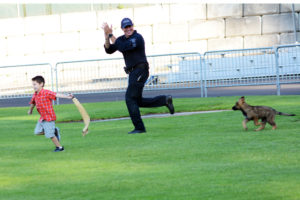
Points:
x=107, y=30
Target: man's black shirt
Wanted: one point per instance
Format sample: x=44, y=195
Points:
x=132, y=48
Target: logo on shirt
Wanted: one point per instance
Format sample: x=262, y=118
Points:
x=133, y=42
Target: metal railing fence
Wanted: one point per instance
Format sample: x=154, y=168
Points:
x=15, y=80
x=226, y=68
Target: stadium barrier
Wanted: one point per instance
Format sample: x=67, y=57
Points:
x=15, y=80
x=255, y=66
x=288, y=64
x=239, y=67
x=167, y=71
x=226, y=68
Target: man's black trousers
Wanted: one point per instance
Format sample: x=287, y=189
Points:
x=134, y=98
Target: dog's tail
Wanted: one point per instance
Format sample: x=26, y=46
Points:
x=285, y=114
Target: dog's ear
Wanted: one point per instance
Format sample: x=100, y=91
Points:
x=242, y=99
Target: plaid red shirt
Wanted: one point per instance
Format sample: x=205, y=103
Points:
x=43, y=102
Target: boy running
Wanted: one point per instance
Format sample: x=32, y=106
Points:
x=42, y=99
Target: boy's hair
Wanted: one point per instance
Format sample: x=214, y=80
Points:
x=39, y=79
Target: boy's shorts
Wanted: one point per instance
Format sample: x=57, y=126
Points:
x=48, y=128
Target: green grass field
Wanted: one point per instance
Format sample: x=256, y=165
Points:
x=203, y=156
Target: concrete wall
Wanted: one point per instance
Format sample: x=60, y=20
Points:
x=166, y=28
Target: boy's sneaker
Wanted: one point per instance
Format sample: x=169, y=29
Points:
x=57, y=149
x=56, y=133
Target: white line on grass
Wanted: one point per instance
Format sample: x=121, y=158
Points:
x=160, y=115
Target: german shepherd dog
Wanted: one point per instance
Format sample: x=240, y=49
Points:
x=255, y=113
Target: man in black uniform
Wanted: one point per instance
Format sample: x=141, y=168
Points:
x=132, y=46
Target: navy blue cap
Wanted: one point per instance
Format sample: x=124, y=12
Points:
x=126, y=22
